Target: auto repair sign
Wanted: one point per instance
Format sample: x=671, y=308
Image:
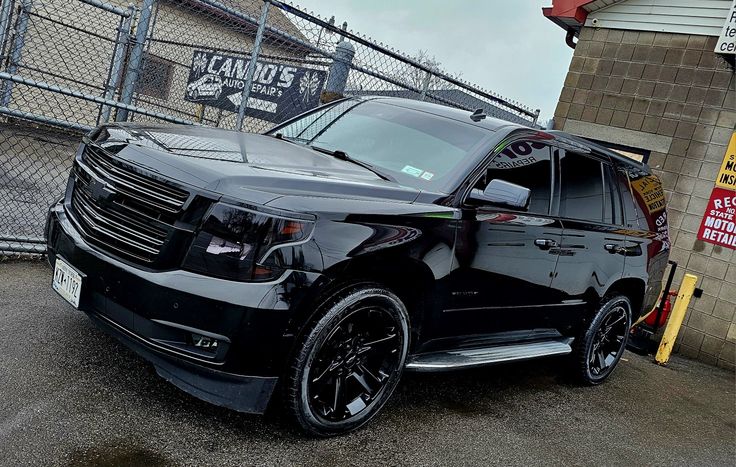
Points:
x=719, y=222
x=279, y=91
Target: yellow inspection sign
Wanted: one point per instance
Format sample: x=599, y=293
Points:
x=727, y=175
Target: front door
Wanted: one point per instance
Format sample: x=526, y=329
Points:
x=504, y=262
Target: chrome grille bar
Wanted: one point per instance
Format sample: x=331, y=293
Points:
x=120, y=216
x=144, y=190
x=113, y=221
x=100, y=225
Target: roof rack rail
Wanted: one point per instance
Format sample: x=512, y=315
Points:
x=478, y=115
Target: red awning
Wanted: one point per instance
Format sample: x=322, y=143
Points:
x=568, y=14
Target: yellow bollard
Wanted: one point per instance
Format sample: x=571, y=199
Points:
x=678, y=314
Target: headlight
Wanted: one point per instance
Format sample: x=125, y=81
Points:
x=235, y=243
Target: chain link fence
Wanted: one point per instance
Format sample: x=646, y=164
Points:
x=67, y=66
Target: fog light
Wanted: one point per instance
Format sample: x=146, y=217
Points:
x=204, y=342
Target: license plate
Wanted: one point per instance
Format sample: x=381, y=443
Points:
x=67, y=282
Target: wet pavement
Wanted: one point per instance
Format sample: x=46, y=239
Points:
x=71, y=395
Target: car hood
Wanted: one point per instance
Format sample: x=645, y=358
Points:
x=244, y=166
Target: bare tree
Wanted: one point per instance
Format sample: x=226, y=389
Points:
x=417, y=77
x=406, y=73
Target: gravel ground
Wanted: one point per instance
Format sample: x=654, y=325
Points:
x=70, y=394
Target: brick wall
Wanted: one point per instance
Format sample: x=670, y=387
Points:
x=671, y=94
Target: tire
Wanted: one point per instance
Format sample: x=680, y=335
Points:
x=195, y=94
x=599, y=347
x=349, y=360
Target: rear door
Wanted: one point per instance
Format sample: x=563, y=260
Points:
x=592, y=253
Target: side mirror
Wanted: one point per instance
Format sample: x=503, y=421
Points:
x=501, y=192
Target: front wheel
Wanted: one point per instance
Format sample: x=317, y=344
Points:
x=349, y=362
x=599, y=347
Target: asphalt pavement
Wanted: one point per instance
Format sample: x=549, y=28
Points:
x=71, y=395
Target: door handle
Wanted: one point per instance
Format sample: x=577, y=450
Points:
x=545, y=243
x=613, y=248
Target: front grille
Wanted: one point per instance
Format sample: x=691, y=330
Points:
x=121, y=210
x=156, y=199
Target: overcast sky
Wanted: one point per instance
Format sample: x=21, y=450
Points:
x=506, y=46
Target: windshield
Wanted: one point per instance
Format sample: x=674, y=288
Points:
x=416, y=148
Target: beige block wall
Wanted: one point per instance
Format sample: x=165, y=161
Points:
x=672, y=93
x=69, y=44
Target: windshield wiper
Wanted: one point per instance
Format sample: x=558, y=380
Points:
x=343, y=156
x=291, y=139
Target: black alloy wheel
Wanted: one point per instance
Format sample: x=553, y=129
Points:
x=600, y=347
x=350, y=361
x=353, y=364
x=608, y=341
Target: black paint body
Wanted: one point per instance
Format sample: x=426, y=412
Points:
x=470, y=275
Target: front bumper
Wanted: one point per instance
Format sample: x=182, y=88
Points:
x=156, y=313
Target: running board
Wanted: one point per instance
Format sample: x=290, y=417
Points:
x=468, y=358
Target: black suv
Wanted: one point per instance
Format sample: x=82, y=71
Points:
x=367, y=237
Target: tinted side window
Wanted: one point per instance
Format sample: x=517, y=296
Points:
x=612, y=209
x=633, y=215
x=581, y=187
x=528, y=164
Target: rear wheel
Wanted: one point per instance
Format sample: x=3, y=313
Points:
x=349, y=361
x=599, y=348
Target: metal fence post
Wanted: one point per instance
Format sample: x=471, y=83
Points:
x=136, y=59
x=5, y=9
x=536, y=116
x=16, y=50
x=337, y=77
x=252, y=65
x=117, y=62
x=425, y=85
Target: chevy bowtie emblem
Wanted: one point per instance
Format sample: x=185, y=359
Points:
x=100, y=192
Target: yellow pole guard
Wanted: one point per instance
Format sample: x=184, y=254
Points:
x=687, y=288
